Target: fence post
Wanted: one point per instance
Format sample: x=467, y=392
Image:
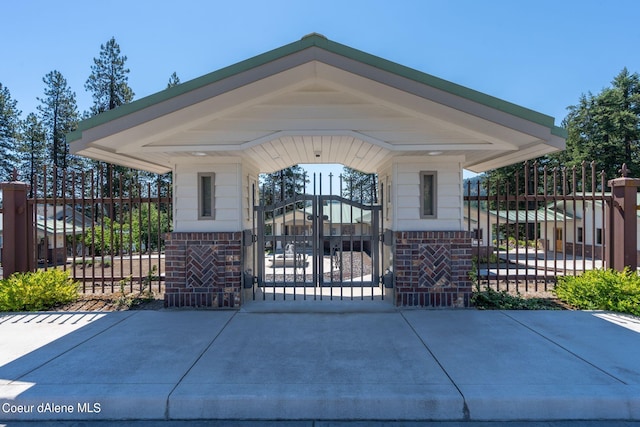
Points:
x=622, y=244
x=17, y=229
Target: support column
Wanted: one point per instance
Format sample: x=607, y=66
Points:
x=622, y=245
x=432, y=268
x=203, y=269
x=17, y=229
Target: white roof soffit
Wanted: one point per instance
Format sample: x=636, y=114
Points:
x=315, y=94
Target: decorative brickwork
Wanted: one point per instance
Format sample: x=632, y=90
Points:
x=203, y=270
x=432, y=268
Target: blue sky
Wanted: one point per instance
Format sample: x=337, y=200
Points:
x=539, y=54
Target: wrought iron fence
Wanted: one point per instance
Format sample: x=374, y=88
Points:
x=536, y=225
x=106, y=227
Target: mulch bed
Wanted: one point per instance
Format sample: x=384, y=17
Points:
x=113, y=302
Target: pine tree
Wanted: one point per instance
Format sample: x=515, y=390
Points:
x=174, y=80
x=32, y=149
x=59, y=116
x=283, y=184
x=359, y=186
x=606, y=127
x=109, y=87
x=108, y=82
x=9, y=130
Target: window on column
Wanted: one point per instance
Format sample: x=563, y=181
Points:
x=206, y=196
x=428, y=187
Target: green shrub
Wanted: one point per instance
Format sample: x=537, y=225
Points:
x=602, y=290
x=37, y=291
x=489, y=299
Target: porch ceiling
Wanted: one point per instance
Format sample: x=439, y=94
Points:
x=315, y=105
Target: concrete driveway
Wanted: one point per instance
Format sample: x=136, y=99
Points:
x=447, y=365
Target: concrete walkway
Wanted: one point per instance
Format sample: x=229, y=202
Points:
x=446, y=365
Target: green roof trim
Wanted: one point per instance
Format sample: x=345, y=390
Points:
x=317, y=40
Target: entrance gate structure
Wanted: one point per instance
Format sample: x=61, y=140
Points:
x=315, y=101
x=314, y=246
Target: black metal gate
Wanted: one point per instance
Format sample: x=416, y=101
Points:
x=317, y=247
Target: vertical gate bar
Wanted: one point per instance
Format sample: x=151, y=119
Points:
x=64, y=217
x=319, y=211
x=329, y=202
x=254, y=241
x=120, y=231
x=568, y=198
x=556, y=182
x=73, y=223
x=577, y=196
x=593, y=213
x=498, y=212
x=494, y=236
x=565, y=194
x=84, y=229
x=295, y=244
x=575, y=223
x=603, y=203
x=34, y=219
x=518, y=236
x=534, y=206
x=54, y=253
x=259, y=212
x=507, y=228
x=547, y=194
x=529, y=201
x=148, y=276
x=305, y=237
x=102, y=216
x=605, y=225
x=527, y=205
x=273, y=241
x=314, y=238
x=140, y=260
x=94, y=216
x=112, y=216
x=556, y=195
x=379, y=214
x=130, y=198
x=159, y=236
x=488, y=232
x=44, y=214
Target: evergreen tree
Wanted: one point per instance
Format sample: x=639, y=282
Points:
x=109, y=87
x=59, y=116
x=174, y=80
x=32, y=150
x=161, y=184
x=359, y=186
x=108, y=82
x=283, y=184
x=602, y=128
x=606, y=127
x=9, y=131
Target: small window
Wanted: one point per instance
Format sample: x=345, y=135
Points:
x=206, y=197
x=580, y=234
x=428, y=194
x=598, y=236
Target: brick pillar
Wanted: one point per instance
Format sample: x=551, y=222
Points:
x=622, y=246
x=17, y=229
x=432, y=268
x=203, y=269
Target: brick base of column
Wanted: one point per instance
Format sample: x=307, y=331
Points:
x=203, y=269
x=432, y=268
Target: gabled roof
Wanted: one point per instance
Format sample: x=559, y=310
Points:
x=326, y=103
x=334, y=212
